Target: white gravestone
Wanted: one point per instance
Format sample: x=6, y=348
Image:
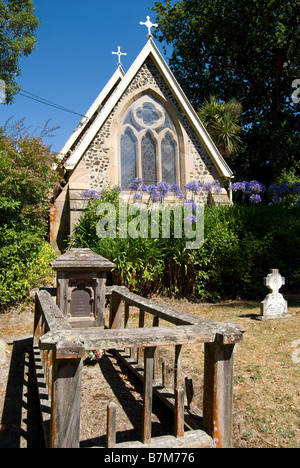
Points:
x=274, y=306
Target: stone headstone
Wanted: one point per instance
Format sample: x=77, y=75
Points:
x=274, y=305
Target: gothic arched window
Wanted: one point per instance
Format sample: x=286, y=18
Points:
x=148, y=144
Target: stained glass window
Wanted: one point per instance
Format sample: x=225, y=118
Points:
x=149, y=143
x=168, y=159
x=149, y=160
x=128, y=158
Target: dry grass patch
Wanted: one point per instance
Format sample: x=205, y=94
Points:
x=266, y=380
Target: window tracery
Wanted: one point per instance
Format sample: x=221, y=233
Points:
x=148, y=144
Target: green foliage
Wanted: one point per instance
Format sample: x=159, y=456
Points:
x=221, y=121
x=241, y=245
x=18, y=24
x=24, y=264
x=247, y=50
x=27, y=179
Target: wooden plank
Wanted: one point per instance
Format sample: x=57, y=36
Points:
x=141, y=325
x=111, y=425
x=148, y=394
x=179, y=412
x=231, y=331
x=95, y=338
x=191, y=440
x=52, y=315
x=161, y=311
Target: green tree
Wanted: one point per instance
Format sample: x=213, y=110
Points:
x=18, y=24
x=247, y=50
x=27, y=180
x=221, y=120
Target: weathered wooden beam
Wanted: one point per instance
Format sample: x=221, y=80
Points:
x=178, y=380
x=115, y=313
x=157, y=370
x=96, y=338
x=191, y=440
x=141, y=325
x=218, y=391
x=126, y=316
x=111, y=425
x=65, y=403
x=179, y=412
x=52, y=315
x=161, y=311
x=148, y=394
x=231, y=332
x=66, y=343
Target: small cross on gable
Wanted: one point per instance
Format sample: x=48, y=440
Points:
x=149, y=26
x=119, y=53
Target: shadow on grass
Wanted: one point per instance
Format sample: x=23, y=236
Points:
x=21, y=419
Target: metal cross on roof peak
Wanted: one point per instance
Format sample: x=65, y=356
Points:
x=119, y=53
x=149, y=26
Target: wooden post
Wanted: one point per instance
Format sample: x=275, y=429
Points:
x=100, y=299
x=179, y=412
x=141, y=325
x=156, y=371
x=65, y=404
x=148, y=393
x=126, y=316
x=178, y=383
x=218, y=389
x=115, y=311
x=111, y=425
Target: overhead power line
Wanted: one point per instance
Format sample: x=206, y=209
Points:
x=34, y=97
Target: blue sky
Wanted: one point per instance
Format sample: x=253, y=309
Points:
x=73, y=59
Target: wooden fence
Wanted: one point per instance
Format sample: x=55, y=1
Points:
x=59, y=351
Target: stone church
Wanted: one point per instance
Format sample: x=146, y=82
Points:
x=140, y=125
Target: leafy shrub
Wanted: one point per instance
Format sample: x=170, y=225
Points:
x=241, y=245
x=27, y=179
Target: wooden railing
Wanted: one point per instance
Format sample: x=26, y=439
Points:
x=60, y=350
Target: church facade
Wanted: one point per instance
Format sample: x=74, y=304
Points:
x=141, y=125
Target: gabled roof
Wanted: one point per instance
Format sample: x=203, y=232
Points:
x=95, y=107
x=150, y=50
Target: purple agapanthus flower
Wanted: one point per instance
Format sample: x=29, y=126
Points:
x=255, y=199
x=192, y=205
x=276, y=200
x=191, y=219
x=91, y=194
x=136, y=183
x=137, y=197
x=192, y=187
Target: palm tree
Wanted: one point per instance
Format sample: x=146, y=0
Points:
x=221, y=121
